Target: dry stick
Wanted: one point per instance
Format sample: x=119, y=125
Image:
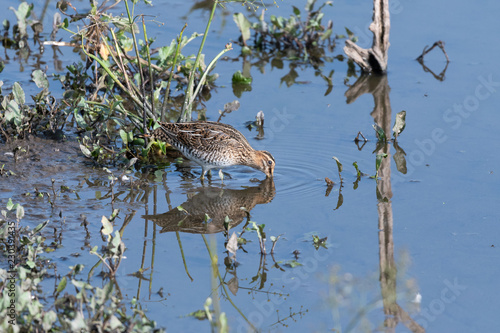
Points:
x=373, y=59
x=356, y=139
x=439, y=44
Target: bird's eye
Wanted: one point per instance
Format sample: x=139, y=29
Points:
x=270, y=162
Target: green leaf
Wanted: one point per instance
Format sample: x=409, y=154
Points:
x=378, y=161
x=239, y=78
x=117, y=240
x=181, y=209
x=399, y=124
x=124, y=137
x=40, y=79
x=138, y=142
x=319, y=242
x=296, y=11
x=19, y=212
x=62, y=284
x=358, y=173
x=107, y=227
x=13, y=114
x=310, y=5
x=22, y=14
x=339, y=165
x=40, y=227
x=244, y=25
x=49, y=318
x=380, y=133
x=199, y=314
x=10, y=204
x=350, y=34
x=79, y=119
x=85, y=151
x=292, y=263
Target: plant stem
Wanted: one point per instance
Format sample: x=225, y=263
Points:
x=208, y=69
x=151, y=81
x=167, y=92
x=131, y=21
x=213, y=261
x=187, y=106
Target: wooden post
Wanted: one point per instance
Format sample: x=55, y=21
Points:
x=374, y=59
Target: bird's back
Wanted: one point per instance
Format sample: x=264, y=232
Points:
x=205, y=142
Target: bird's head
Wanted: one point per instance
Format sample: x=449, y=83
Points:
x=264, y=162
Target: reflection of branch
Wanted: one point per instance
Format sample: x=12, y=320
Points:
x=291, y=316
x=388, y=270
x=378, y=86
x=426, y=50
x=439, y=76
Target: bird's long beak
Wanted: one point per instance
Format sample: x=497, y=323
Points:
x=270, y=173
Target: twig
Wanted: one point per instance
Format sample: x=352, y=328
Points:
x=426, y=50
x=356, y=139
x=274, y=244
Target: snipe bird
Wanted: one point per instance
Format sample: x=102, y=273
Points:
x=214, y=145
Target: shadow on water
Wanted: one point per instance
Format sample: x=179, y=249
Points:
x=208, y=208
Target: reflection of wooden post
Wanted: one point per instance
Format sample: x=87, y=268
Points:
x=373, y=59
x=378, y=86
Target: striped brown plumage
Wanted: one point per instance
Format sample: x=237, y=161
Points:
x=214, y=145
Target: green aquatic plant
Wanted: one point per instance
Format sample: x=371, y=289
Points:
x=83, y=307
x=301, y=36
x=303, y=39
x=19, y=117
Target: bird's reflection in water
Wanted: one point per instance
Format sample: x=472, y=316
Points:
x=217, y=203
